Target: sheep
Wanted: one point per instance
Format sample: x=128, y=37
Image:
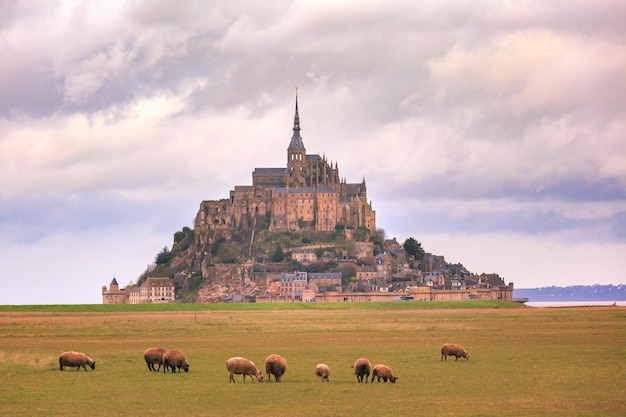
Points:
x=76, y=359
x=175, y=359
x=384, y=372
x=322, y=371
x=450, y=349
x=154, y=356
x=362, y=368
x=275, y=365
x=239, y=365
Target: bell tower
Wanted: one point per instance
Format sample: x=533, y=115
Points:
x=296, y=154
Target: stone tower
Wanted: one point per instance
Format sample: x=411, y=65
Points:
x=296, y=155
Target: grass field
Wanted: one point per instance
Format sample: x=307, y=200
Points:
x=524, y=361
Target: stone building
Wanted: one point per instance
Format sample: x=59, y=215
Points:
x=307, y=194
x=293, y=285
x=155, y=290
x=113, y=295
x=303, y=255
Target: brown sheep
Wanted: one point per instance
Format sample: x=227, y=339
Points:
x=322, y=371
x=154, y=356
x=275, y=365
x=384, y=372
x=362, y=368
x=450, y=349
x=76, y=359
x=238, y=365
x=175, y=359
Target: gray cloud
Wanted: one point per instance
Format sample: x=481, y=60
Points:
x=503, y=118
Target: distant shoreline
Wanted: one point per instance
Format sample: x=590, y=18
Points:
x=573, y=295
x=556, y=304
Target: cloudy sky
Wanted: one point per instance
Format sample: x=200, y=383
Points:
x=494, y=132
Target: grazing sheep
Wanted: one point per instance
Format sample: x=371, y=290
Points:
x=154, y=356
x=322, y=371
x=384, y=372
x=76, y=359
x=243, y=366
x=275, y=365
x=175, y=359
x=362, y=369
x=450, y=349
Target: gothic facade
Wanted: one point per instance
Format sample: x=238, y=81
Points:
x=307, y=194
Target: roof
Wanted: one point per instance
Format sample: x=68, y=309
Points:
x=114, y=282
x=269, y=171
x=301, y=250
x=296, y=143
x=305, y=190
x=353, y=189
x=297, y=276
x=158, y=282
x=324, y=275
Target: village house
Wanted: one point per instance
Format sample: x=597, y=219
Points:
x=292, y=285
x=154, y=290
x=303, y=255
x=325, y=279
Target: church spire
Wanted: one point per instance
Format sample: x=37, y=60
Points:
x=296, y=117
x=296, y=143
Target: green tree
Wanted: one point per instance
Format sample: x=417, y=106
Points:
x=317, y=266
x=414, y=248
x=228, y=252
x=278, y=254
x=348, y=270
x=163, y=257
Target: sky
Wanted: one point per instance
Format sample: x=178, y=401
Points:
x=493, y=132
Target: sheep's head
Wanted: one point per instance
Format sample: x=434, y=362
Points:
x=93, y=365
x=186, y=367
x=393, y=379
x=259, y=376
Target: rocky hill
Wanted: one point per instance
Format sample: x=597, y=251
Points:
x=213, y=268
x=216, y=269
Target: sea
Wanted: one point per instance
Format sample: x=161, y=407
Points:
x=573, y=296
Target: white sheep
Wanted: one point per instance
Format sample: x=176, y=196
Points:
x=362, y=368
x=322, y=371
x=153, y=356
x=239, y=365
x=450, y=349
x=275, y=365
x=76, y=359
x=383, y=372
x=175, y=359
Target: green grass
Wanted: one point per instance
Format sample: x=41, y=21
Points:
x=104, y=308
x=524, y=362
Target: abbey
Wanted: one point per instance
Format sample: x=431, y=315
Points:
x=307, y=194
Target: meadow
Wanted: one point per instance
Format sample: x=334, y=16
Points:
x=524, y=361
